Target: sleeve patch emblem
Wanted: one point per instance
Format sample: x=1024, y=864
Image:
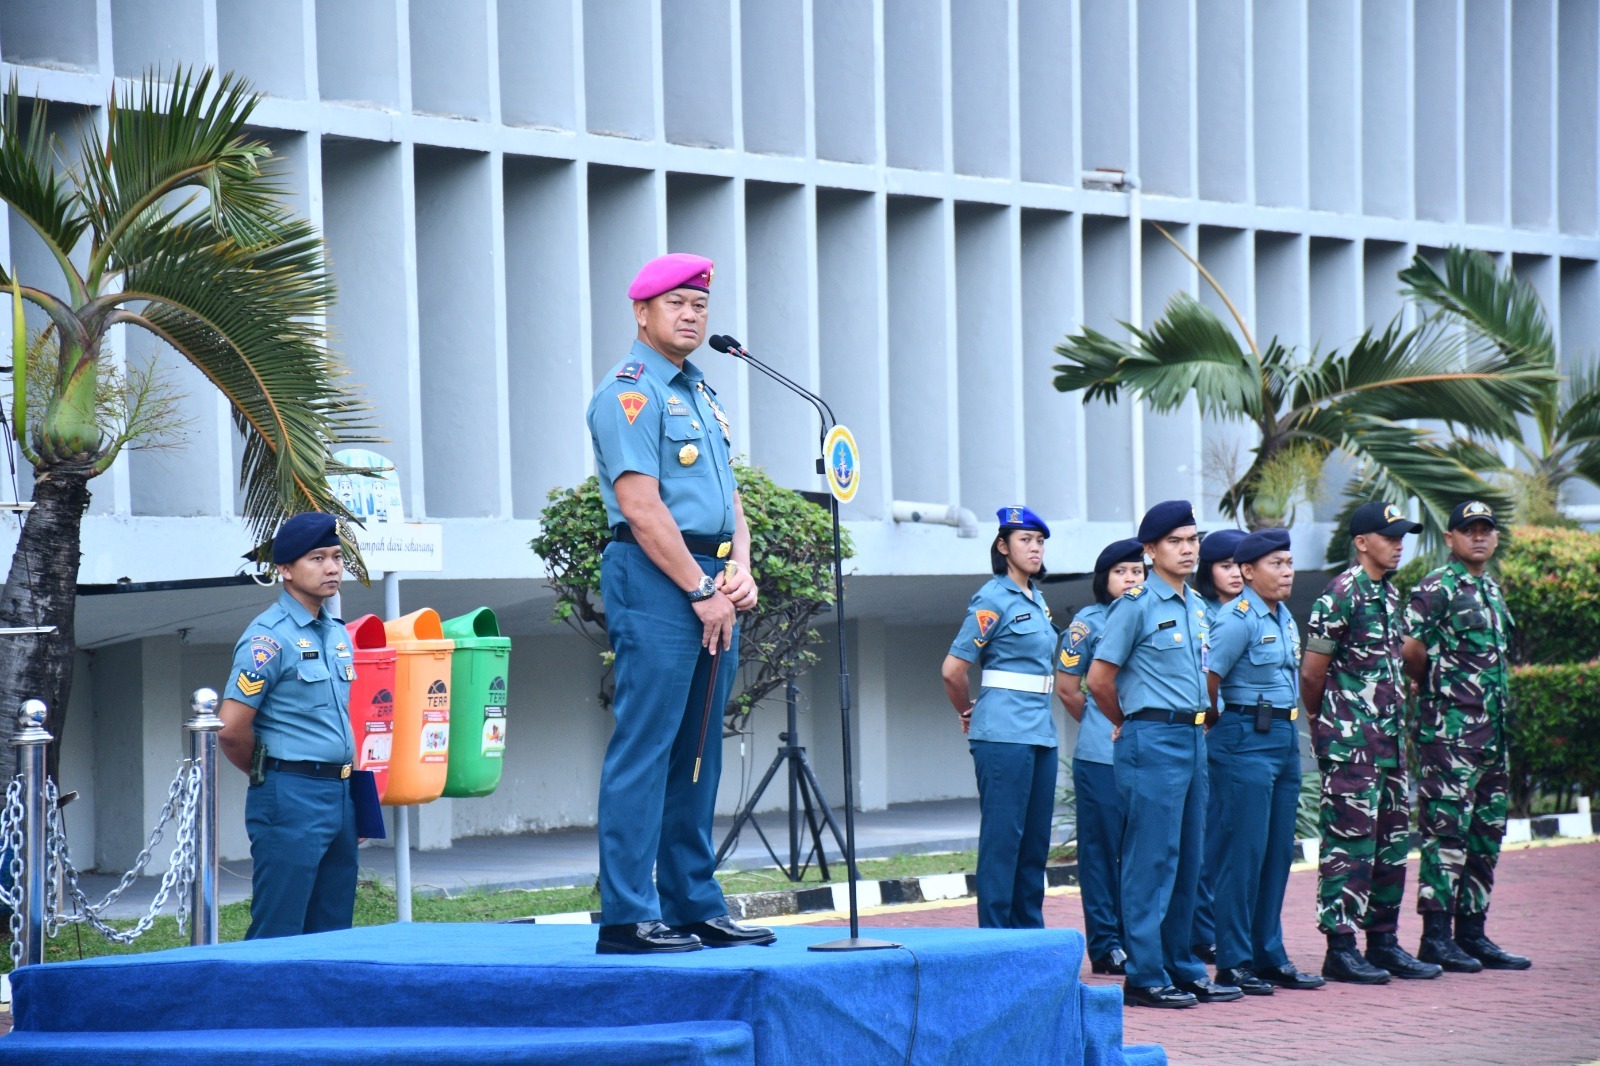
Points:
x=1069, y=660
x=250, y=684
x=986, y=621
x=632, y=403
x=261, y=655
x=1077, y=633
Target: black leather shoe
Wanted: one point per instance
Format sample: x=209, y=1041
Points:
x=1115, y=963
x=1344, y=963
x=1206, y=953
x=1287, y=976
x=1244, y=980
x=1384, y=951
x=645, y=938
x=1438, y=947
x=1208, y=991
x=1165, y=996
x=1471, y=939
x=724, y=932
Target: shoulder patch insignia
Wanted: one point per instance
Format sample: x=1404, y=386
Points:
x=1242, y=606
x=262, y=638
x=1078, y=632
x=1134, y=593
x=986, y=621
x=261, y=655
x=631, y=371
x=250, y=683
x=632, y=403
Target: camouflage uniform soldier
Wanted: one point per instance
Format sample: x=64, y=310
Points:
x=1350, y=680
x=1458, y=632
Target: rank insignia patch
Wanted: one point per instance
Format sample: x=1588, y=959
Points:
x=631, y=371
x=1243, y=606
x=1069, y=660
x=251, y=683
x=261, y=655
x=1135, y=592
x=986, y=621
x=632, y=403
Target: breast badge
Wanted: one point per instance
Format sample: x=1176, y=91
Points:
x=687, y=455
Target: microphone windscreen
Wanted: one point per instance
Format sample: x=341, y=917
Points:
x=720, y=342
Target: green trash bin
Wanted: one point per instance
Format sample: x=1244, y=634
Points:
x=478, y=674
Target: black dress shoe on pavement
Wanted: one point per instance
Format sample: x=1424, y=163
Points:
x=1472, y=941
x=1208, y=991
x=1385, y=952
x=1244, y=980
x=1206, y=953
x=1165, y=996
x=644, y=938
x=1344, y=963
x=724, y=932
x=1114, y=964
x=1286, y=976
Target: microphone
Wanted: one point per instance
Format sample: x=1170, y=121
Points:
x=726, y=344
x=730, y=345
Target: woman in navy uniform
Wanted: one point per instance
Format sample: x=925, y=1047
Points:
x=1011, y=732
x=1217, y=581
x=1253, y=678
x=1094, y=779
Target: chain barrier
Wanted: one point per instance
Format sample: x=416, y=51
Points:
x=11, y=820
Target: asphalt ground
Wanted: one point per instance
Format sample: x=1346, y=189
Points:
x=1546, y=905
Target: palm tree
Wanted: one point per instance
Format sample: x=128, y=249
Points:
x=171, y=221
x=1505, y=310
x=1309, y=406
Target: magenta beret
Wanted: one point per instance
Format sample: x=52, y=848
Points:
x=676, y=270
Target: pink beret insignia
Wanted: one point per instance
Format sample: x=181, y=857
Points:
x=676, y=270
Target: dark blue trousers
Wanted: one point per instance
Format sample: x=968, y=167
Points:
x=653, y=816
x=1161, y=776
x=1205, y=927
x=1255, y=782
x=303, y=847
x=1016, y=798
x=1099, y=854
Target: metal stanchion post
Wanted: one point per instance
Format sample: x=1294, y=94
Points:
x=30, y=740
x=203, y=729
x=402, y=815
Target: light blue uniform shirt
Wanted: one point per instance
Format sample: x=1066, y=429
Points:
x=649, y=417
x=1256, y=653
x=1156, y=637
x=295, y=670
x=1077, y=651
x=1005, y=630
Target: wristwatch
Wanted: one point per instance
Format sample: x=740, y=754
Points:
x=703, y=591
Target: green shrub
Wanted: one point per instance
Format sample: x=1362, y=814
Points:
x=1551, y=579
x=1554, y=730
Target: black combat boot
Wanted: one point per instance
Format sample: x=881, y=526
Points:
x=1437, y=946
x=1383, y=949
x=1344, y=963
x=1470, y=939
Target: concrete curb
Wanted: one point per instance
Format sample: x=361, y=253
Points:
x=1547, y=826
x=826, y=899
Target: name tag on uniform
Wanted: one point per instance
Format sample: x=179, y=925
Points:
x=1023, y=617
x=1269, y=638
x=311, y=655
x=1168, y=624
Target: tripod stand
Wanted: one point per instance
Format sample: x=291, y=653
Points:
x=803, y=787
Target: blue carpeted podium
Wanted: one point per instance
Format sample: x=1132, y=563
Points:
x=440, y=994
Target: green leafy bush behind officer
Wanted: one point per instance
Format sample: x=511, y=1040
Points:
x=1457, y=650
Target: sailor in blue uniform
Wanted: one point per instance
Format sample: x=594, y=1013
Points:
x=1218, y=583
x=1253, y=677
x=673, y=578
x=286, y=723
x=1146, y=677
x=1010, y=728
x=1119, y=568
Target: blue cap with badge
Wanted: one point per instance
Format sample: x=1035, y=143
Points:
x=1218, y=547
x=303, y=533
x=1382, y=518
x=1117, y=552
x=1163, y=518
x=1469, y=511
x=1021, y=518
x=1259, y=543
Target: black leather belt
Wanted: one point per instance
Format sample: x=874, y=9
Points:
x=716, y=547
x=1282, y=714
x=1195, y=717
x=331, y=770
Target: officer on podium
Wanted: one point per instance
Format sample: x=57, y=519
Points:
x=673, y=578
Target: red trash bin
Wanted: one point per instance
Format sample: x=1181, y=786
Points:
x=372, y=697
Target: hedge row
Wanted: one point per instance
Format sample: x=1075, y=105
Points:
x=1554, y=729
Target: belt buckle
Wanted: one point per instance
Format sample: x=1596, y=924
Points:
x=1199, y=717
x=344, y=771
x=1294, y=713
x=723, y=549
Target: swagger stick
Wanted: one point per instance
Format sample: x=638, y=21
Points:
x=711, y=688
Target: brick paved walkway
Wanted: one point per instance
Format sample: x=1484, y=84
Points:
x=1546, y=905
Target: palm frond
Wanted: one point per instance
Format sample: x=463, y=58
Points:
x=30, y=184
x=1579, y=419
x=1496, y=304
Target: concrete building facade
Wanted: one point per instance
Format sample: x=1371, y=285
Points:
x=898, y=197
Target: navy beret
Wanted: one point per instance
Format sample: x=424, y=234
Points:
x=1119, y=551
x=1218, y=547
x=1380, y=517
x=303, y=533
x=1021, y=518
x=1261, y=542
x=1163, y=518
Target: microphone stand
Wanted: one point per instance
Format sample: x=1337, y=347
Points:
x=855, y=942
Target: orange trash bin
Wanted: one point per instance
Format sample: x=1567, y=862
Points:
x=372, y=697
x=420, y=757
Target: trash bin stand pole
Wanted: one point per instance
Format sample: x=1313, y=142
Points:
x=203, y=729
x=30, y=740
x=402, y=815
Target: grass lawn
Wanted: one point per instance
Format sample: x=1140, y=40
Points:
x=376, y=904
